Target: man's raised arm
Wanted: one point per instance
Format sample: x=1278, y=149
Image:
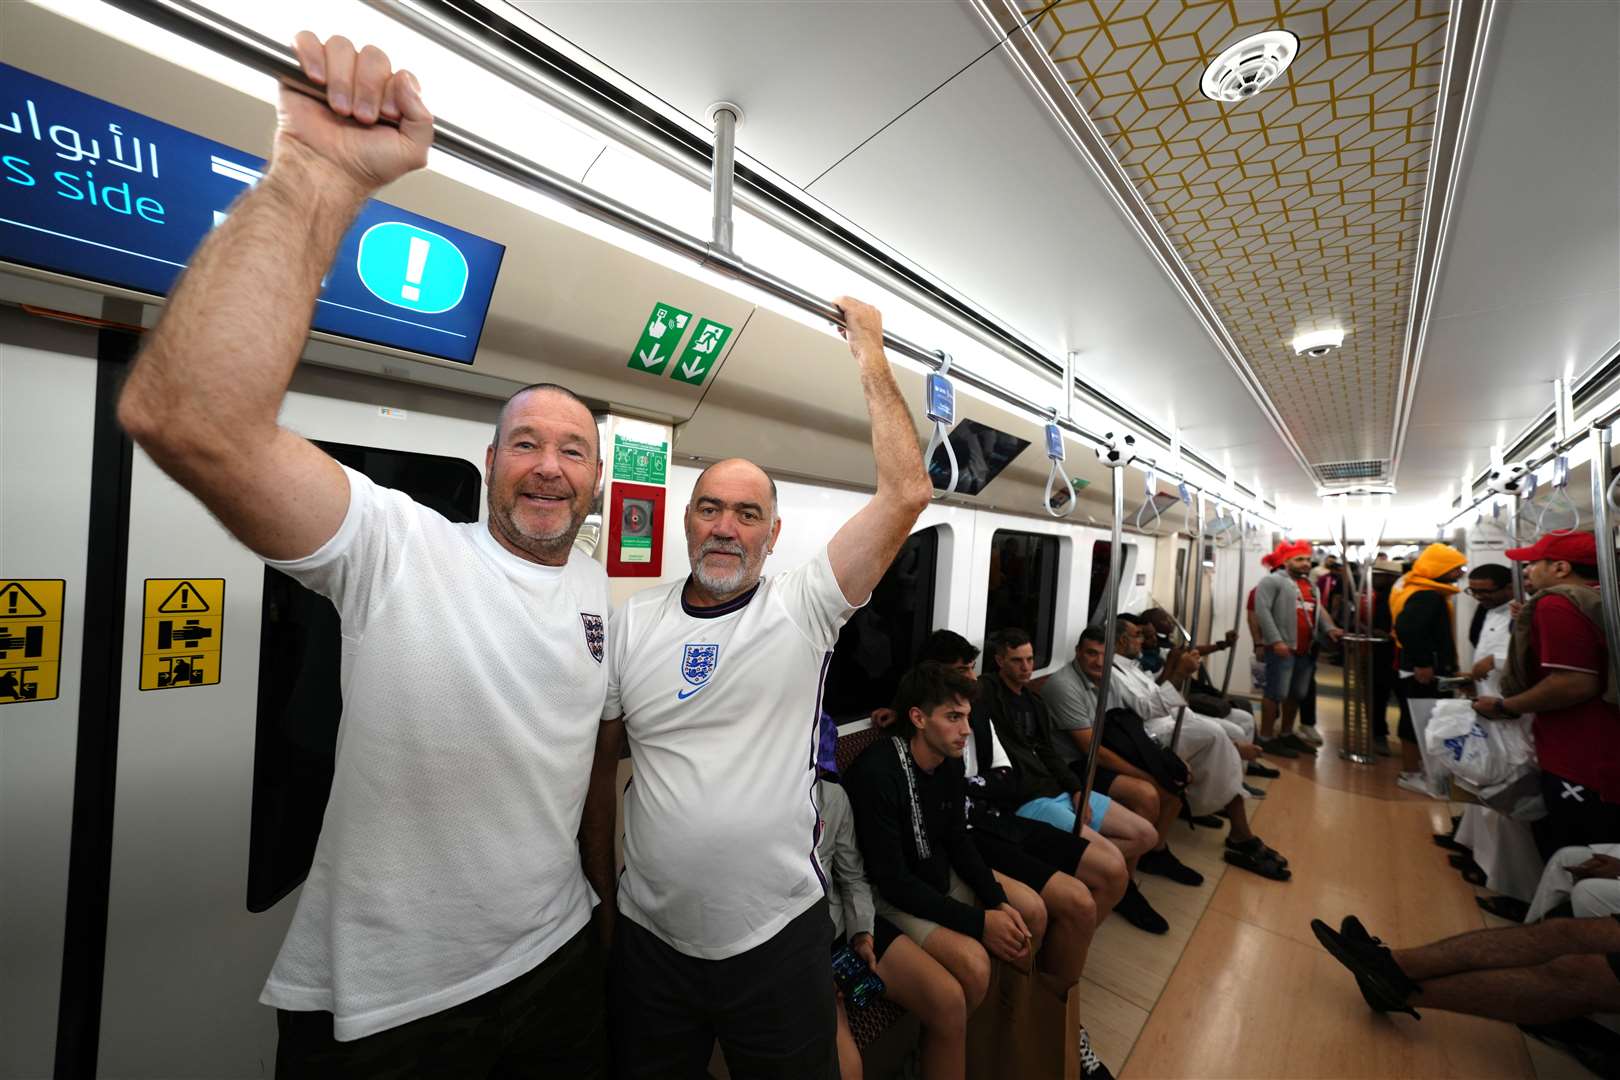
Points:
x=203, y=397
x=868, y=542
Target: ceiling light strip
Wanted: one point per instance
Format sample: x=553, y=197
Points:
x=1032, y=60
x=1467, y=33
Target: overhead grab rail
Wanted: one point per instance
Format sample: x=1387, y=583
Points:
x=192, y=21
x=942, y=411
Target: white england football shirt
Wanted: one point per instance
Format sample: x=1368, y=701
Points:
x=472, y=693
x=722, y=707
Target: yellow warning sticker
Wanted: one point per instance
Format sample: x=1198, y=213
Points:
x=183, y=631
x=30, y=639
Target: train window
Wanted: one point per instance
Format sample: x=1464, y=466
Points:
x=981, y=453
x=1023, y=588
x=884, y=638
x=1100, y=555
x=299, y=698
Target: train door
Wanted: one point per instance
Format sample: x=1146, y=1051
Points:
x=48, y=373
x=226, y=735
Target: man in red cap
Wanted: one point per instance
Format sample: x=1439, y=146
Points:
x=1290, y=621
x=1558, y=669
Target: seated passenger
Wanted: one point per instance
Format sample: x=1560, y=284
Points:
x=1201, y=693
x=1541, y=974
x=911, y=978
x=1582, y=880
x=1210, y=756
x=909, y=792
x=1238, y=724
x=1103, y=860
x=1558, y=669
x=1019, y=804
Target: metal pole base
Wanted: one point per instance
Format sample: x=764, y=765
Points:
x=1359, y=759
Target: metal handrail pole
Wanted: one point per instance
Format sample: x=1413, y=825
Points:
x=1237, y=616
x=1608, y=582
x=1513, y=536
x=722, y=173
x=1197, y=611
x=1110, y=617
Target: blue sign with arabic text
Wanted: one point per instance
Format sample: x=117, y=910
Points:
x=95, y=191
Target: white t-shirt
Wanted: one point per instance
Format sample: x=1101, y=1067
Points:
x=722, y=707
x=998, y=756
x=1495, y=639
x=472, y=682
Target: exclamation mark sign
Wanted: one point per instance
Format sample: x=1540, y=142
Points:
x=415, y=262
x=11, y=600
x=185, y=598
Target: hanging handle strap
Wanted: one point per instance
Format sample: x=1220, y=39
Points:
x=1560, y=485
x=1055, y=480
x=942, y=411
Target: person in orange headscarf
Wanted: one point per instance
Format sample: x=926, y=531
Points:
x=1420, y=604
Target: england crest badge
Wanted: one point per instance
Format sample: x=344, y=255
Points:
x=595, y=638
x=697, y=664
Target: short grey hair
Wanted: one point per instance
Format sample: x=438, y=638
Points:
x=550, y=388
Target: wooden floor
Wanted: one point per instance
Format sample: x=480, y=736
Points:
x=1240, y=987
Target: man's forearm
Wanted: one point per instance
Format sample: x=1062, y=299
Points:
x=900, y=470
x=224, y=351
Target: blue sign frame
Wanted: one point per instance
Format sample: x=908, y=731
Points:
x=941, y=399
x=96, y=191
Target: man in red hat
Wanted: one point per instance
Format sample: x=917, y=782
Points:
x=1290, y=621
x=1558, y=669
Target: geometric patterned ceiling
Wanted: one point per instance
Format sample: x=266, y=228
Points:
x=1297, y=209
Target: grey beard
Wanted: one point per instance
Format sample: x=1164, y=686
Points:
x=717, y=584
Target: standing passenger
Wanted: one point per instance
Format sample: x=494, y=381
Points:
x=717, y=680
x=1421, y=607
x=1290, y=621
x=444, y=925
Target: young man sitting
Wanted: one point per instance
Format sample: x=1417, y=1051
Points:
x=909, y=792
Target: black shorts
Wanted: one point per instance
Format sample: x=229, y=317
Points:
x=771, y=1008
x=883, y=934
x=547, y=1022
x=1044, y=851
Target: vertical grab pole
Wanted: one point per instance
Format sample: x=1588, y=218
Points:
x=1237, y=618
x=1110, y=617
x=1608, y=583
x=1197, y=606
x=723, y=117
x=1513, y=534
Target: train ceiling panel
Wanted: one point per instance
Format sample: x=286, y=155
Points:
x=1297, y=209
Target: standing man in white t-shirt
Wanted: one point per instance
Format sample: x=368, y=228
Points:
x=717, y=680
x=444, y=926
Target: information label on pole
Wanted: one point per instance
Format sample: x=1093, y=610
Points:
x=941, y=399
x=660, y=337
x=1054, y=442
x=183, y=630
x=30, y=639
x=701, y=352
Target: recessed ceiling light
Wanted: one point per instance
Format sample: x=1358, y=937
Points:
x=1318, y=342
x=1250, y=66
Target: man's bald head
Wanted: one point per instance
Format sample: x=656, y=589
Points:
x=521, y=397
x=731, y=470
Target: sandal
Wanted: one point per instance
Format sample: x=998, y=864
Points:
x=1471, y=871
x=1256, y=858
x=1274, y=853
x=1449, y=842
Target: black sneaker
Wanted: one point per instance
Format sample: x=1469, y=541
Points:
x=1382, y=982
x=1134, y=908
x=1277, y=747
x=1253, y=792
x=1163, y=863
x=1264, y=772
x=1091, y=1066
x=1294, y=742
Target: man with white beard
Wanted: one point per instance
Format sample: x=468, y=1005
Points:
x=717, y=682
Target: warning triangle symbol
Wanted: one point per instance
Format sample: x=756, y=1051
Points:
x=17, y=602
x=184, y=599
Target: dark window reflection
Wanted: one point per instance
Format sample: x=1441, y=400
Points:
x=299, y=697
x=1023, y=588
x=883, y=639
x=981, y=453
x=1099, y=575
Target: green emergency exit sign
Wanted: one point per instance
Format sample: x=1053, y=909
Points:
x=660, y=337
x=701, y=352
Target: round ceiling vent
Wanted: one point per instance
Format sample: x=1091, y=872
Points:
x=1250, y=66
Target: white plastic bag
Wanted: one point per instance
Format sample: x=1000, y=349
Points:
x=1483, y=753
